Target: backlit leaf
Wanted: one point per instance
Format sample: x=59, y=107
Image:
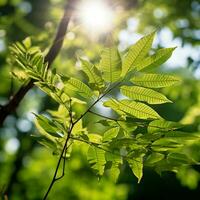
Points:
x=155, y=80
x=110, y=64
x=143, y=94
x=77, y=86
x=138, y=110
x=136, y=53
x=96, y=158
x=156, y=59
x=93, y=74
x=136, y=164
x=110, y=134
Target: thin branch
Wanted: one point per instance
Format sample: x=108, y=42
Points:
x=70, y=111
x=72, y=124
x=50, y=57
x=103, y=95
x=64, y=161
x=58, y=164
x=62, y=155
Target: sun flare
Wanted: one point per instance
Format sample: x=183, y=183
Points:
x=96, y=16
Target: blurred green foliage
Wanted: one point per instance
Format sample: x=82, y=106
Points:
x=26, y=167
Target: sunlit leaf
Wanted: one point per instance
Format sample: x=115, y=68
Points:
x=162, y=126
x=153, y=158
x=137, y=109
x=96, y=158
x=136, y=164
x=116, y=161
x=77, y=86
x=110, y=134
x=143, y=94
x=136, y=53
x=179, y=158
x=110, y=64
x=155, y=80
x=156, y=59
x=93, y=74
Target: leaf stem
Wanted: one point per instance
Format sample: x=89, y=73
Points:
x=62, y=155
x=98, y=99
x=58, y=163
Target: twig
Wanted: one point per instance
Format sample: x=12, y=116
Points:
x=58, y=164
x=103, y=95
x=63, y=153
x=71, y=126
x=64, y=161
x=50, y=57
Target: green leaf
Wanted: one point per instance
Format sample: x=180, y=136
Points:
x=127, y=126
x=47, y=125
x=124, y=142
x=149, y=137
x=143, y=94
x=153, y=158
x=114, y=170
x=136, y=164
x=136, y=53
x=155, y=80
x=114, y=104
x=78, y=128
x=77, y=86
x=95, y=138
x=93, y=74
x=27, y=42
x=96, y=158
x=156, y=59
x=138, y=110
x=110, y=64
x=110, y=134
x=162, y=126
x=165, y=144
x=181, y=137
x=19, y=75
x=179, y=159
x=45, y=138
x=49, y=143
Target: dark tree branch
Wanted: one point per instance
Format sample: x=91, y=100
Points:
x=49, y=58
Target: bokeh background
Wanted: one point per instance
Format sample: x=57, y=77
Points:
x=26, y=167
